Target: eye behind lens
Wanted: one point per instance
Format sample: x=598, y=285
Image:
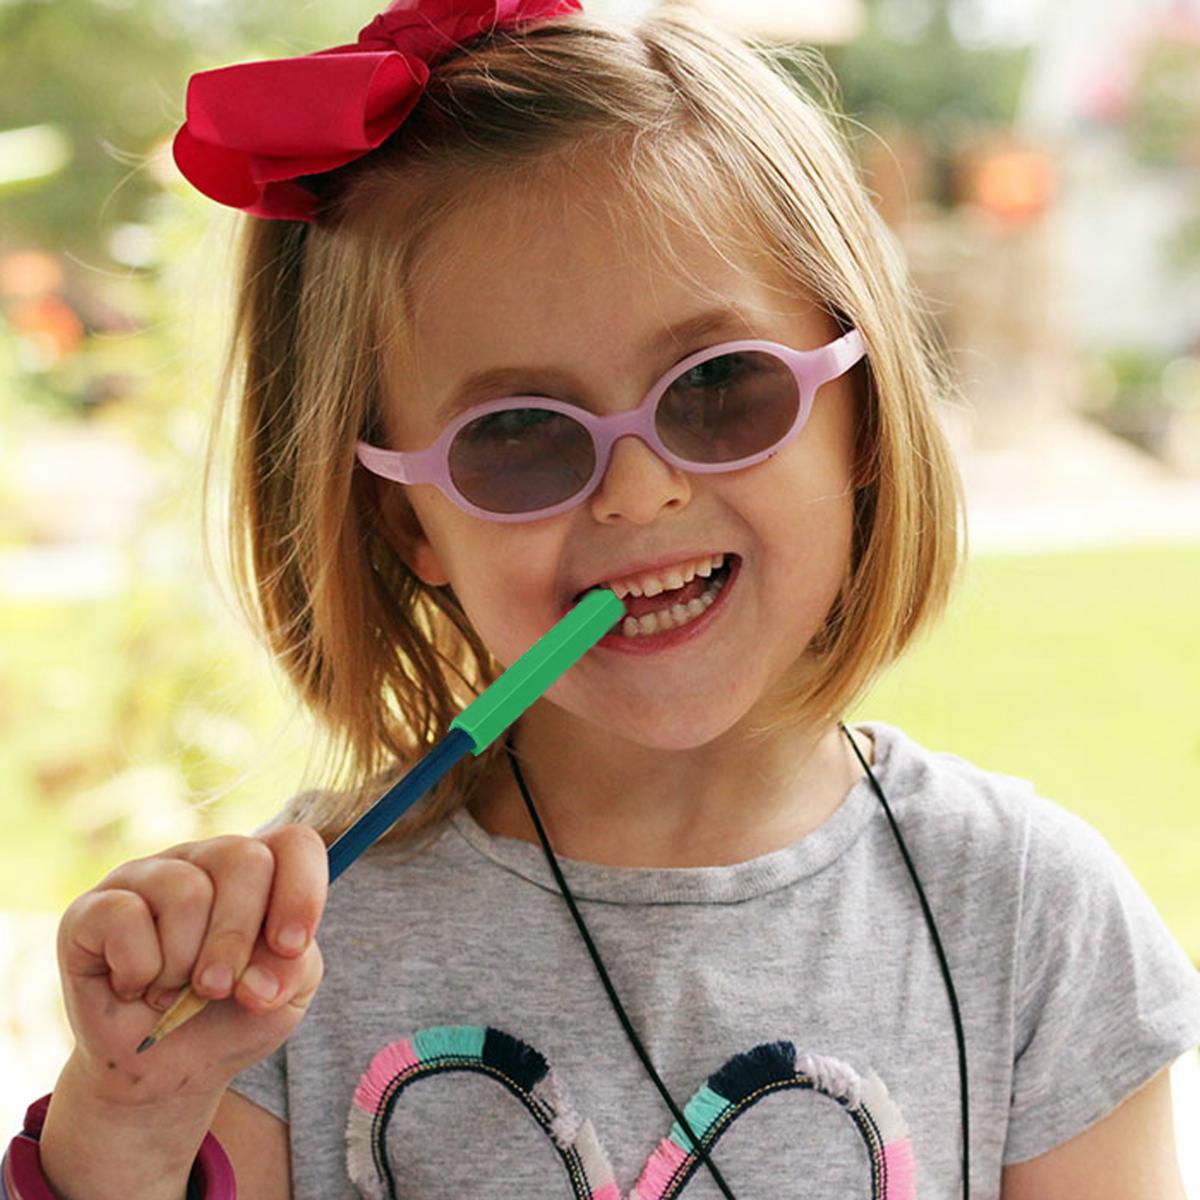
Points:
x=750, y=406
x=531, y=459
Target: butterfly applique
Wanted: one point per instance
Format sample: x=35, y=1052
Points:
x=723, y=1099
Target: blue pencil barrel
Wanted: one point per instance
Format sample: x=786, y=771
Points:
x=397, y=800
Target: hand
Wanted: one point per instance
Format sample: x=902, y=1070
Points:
x=193, y=913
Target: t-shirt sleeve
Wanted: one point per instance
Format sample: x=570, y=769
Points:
x=1106, y=997
x=266, y=1083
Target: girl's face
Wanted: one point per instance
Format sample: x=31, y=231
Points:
x=573, y=302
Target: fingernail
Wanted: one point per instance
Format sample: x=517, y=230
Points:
x=261, y=982
x=164, y=999
x=217, y=977
x=292, y=937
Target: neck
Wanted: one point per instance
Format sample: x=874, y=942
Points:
x=611, y=801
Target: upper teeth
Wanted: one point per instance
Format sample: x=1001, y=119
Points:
x=671, y=578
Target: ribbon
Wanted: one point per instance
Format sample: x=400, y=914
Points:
x=254, y=128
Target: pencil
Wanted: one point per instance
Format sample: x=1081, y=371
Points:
x=474, y=729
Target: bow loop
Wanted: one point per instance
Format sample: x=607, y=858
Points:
x=254, y=128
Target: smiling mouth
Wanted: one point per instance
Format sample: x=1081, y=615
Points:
x=638, y=606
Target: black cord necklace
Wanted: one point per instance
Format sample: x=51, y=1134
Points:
x=635, y=1041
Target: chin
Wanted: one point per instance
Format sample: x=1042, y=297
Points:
x=676, y=731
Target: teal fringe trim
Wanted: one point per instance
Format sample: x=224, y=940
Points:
x=702, y=1112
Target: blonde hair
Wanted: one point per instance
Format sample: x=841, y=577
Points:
x=705, y=129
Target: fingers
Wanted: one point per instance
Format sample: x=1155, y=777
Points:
x=289, y=963
x=111, y=933
x=288, y=916
x=178, y=898
x=272, y=888
x=231, y=916
x=299, y=889
x=271, y=982
x=242, y=871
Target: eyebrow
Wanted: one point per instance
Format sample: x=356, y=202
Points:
x=552, y=379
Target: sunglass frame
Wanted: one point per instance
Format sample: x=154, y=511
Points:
x=811, y=369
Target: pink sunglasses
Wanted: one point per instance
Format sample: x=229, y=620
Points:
x=522, y=458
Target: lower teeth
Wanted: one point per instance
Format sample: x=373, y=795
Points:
x=676, y=616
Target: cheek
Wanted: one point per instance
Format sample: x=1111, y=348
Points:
x=799, y=510
x=501, y=575
x=804, y=491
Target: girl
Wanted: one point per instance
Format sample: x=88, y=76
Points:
x=779, y=957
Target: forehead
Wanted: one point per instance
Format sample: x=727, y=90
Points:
x=555, y=270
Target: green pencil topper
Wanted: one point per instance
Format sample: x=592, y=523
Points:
x=548, y=658
x=473, y=730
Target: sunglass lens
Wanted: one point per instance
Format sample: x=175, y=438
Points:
x=728, y=407
x=521, y=459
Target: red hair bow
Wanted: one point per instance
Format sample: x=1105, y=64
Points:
x=253, y=128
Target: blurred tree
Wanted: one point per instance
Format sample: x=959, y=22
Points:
x=1162, y=125
x=911, y=67
x=111, y=75
x=1163, y=122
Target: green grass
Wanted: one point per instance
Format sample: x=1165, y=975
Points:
x=1081, y=673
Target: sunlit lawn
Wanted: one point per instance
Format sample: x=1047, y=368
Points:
x=1080, y=672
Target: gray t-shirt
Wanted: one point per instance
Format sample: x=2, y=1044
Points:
x=461, y=1043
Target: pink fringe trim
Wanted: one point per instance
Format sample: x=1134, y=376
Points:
x=659, y=1170
x=609, y=1191
x=901, y=1170
x=391, y=1061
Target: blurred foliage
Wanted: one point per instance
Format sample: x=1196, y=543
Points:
x=131, y=695
x=1137, y=393
x=122, y=714
x=1163, y=121
x=137, y=708
x=1182, y=248
x=1162, y=129
x=113, y=75
x=1136, y=374
x=930, y=82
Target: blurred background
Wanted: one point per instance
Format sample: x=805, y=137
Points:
x=1040, y=164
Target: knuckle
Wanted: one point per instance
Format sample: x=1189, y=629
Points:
x=223, y=843
x=122, y=872
x=303, y=846
x=306, y=833
x=256, y=855
x=238, y=847
x=77, y=912
x=190, y=887
x=119, y=905
x=230, y=945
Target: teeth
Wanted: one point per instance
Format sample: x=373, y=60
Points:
x=672, y=578
x=673, y=617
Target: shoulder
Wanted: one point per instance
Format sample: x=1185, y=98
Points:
x=989, y=820
x=1004, y=855
x=1091, y=991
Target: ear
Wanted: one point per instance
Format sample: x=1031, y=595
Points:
x=404, y=533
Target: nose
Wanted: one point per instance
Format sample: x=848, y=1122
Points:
x=638, y=484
